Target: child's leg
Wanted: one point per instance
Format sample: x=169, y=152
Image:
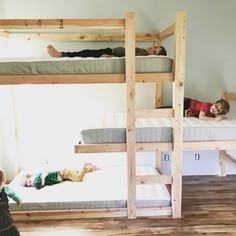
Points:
x=78, y=175
x=186, y=106
x=88, y=167
x=68, y=174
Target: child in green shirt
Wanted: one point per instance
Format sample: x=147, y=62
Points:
x=7, y=226
x=42, y=179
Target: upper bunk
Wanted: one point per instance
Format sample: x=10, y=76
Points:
x=28, y=71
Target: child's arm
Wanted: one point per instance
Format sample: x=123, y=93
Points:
x=11, y=194
x=44, y=175
x=39, y=180
x=202, y=116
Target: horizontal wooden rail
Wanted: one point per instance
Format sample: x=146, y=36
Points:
x=62, y=23
x=152, y=113
x=87, y=213
x=73, y=36
x=81, y=78
x=145, y=147
x=121, y=147
x=153, y=179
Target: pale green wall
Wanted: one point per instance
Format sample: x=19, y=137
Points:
x=210, y=38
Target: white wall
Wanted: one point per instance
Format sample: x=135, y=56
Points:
x=209, y=58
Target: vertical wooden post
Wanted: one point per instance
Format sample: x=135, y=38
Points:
x=178, y=97
x=158, y=160
x=221, y=164
x=130, y=95
x=158, y=94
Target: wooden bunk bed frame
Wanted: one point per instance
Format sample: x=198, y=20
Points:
x=177, y=30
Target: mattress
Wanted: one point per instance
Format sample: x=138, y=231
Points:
x=106, y=188
x=160, y=130
x=77, y=65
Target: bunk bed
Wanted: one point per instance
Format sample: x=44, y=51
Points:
x=129, y=77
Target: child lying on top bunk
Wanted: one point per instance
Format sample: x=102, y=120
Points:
x=42, y=179
x=7, y=226
x=206, y=110
x=107, y=52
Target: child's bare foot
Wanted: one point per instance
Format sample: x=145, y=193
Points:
x=90, y=167
x=53, y=52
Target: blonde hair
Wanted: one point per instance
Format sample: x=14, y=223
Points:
x=2, y=177
x=24, y=179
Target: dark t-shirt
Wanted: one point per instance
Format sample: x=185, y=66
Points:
x=120, y=52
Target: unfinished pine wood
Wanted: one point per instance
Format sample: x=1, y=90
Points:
x=62, y=23
x=178, y=97
x=158, y=161
x=142, y=147
x=130, y=112
x=222, y=164
x=72, y=36
x=178, y=29
x=81, y=78
x=223, y=158
x=208, y=209
x=167, y=32
x=149, y=113
x=158, y=94
x=154, y=179
x=229, y=96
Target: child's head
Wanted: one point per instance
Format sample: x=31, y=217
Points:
x=220, y=107
x=3, y=178
x=27, y=180
x=156, y=50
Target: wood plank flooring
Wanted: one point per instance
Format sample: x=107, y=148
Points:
x=209, y=208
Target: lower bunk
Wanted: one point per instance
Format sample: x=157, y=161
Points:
x=102, y=193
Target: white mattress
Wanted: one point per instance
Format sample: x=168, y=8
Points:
x=106, y=188
x=160, y=130
x=77, y=65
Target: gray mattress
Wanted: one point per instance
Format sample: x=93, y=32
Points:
x=77, y=65
x=105, y=188
x=160, y=130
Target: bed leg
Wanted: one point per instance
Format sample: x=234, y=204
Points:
x=221, y=161
x=158, y=160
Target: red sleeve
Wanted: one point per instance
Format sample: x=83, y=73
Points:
x=205, y=107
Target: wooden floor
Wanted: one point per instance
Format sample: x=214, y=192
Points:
x=209, y=208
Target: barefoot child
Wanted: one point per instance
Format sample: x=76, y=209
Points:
x=107, y=52
x=42, y=179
